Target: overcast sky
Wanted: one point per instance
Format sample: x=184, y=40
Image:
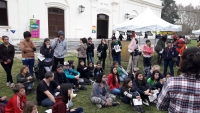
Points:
x=187, y=2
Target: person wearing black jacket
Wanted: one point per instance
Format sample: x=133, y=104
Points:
x=116, y=47
x=102, y=49
x=7, y=53
x=90, y=51
x=168, y=54
x=82, y=69
x=47, y=51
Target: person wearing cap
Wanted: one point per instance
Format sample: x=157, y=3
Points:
x=73, y=76
x=59, y=45
x=116, y=47
x=168, y=54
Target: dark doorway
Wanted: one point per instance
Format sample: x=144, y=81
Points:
x=55, y=21
x=102, y=26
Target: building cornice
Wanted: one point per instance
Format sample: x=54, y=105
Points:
x=147, y=3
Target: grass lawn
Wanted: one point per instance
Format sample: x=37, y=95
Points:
x=83, y=97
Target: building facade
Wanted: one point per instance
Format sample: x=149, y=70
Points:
x=77, y=18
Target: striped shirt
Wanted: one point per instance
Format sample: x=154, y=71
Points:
x=180, y=95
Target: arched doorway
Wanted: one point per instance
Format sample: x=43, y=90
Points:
x=55, y=21
x=102, y=26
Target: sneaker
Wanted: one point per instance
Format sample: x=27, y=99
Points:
x=75, y=90
x=115, y=103
x=8, y=84
x=12, y=85
x=99, y=106
x=82, y=87
x=145, y=102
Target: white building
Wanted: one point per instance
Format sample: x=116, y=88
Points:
x=95, y=21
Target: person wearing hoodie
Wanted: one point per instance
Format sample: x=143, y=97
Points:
x=82, y=50
x=61, y=101
x=160, y=47
x=59, y=45
x=116, y=47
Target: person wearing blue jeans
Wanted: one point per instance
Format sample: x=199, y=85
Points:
x=116, y=50
x=28, y=48
x=44, y=92
x=90, y=51
x=116, y=91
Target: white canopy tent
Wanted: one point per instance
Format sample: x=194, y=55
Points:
x=147, y=21
x=196, y=31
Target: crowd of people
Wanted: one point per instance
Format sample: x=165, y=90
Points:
x=61, y=78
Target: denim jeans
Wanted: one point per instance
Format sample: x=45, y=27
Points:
x=78, y=110
x=28, y=85
x=116, y=91
x=30, y=64
x=170, y=64
x=117, y=57
x=47, y=102
x=122, y=77
x=90, y=58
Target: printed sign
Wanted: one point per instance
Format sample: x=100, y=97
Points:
x=93, y=29
x=13, y=31
x=35, y=28
x=117, y=48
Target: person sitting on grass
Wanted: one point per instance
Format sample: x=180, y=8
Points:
x=73, y=76
x=90, y=69
x=97, y=69
x=122, y=75
x=45, y=90
x=128, y=94
x=100, y=93
x=30, y=107
x=26, y=79
x=71, y=64
x=82, y=69
x=62, y=99
x=154, y=79
x=155, y=67
x=3, y=100
x=17, y=101
x=167, y=76
x=141, y=86
x=114, y=82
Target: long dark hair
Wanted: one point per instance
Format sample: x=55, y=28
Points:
x=113, y=77
x=79, y=65
x=84, y=40
x=45, y=40
x=190, y=61
x=64, y=92
x=136, y=77
x=125, y=84
x=152, y=75
x=102, y=40
x=99, y=77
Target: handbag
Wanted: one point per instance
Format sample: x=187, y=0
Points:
x=98, y=54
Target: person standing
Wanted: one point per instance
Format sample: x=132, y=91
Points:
x=90, y=51
x=116, y=47
x=181, y=93
x=120, y=37
x=82, y=50
x=102, y=50
x=59, y=46
x=28, y=48
x=7, y=53
x=160, y=47
x=168, y=54
x=147, y=54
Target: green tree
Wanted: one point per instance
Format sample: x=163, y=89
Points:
x=169, y=11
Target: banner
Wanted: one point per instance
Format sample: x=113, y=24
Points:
x=93, y=29
x=35, y=29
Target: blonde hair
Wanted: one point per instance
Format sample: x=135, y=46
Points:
x=154, y=67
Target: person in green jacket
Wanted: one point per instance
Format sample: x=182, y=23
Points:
x=154, y=80
x=73, y=76
x=160, y=47
x=25, y=78
x=121, y=73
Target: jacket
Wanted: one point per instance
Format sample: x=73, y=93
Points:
x=47, y=52
x=110, y=80
x=102, y=48
x=132, y=46
x=15, y=104
x=59, y=47
x=147, y=51
x=97, y=91
x=141, y=87
x=59, y=106
x=22, y=79
x=98, y=71
x=127, y=94
x=27, y=49
x=113, y=49
x=60, y=78
x=179, y=44
x=160, y=45
x=82, y=51
x=70, y=73
x=82, y=72
x=90, y=48
x=7, y=53
x=168, y=54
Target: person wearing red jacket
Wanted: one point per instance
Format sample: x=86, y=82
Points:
x=17, y=101
x=179, y=44
x=61, y=104
x=114, y=82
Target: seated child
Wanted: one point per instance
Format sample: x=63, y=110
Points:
x=98, y=69
x=122, y=75
x=17, y=101
x=90, y=69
